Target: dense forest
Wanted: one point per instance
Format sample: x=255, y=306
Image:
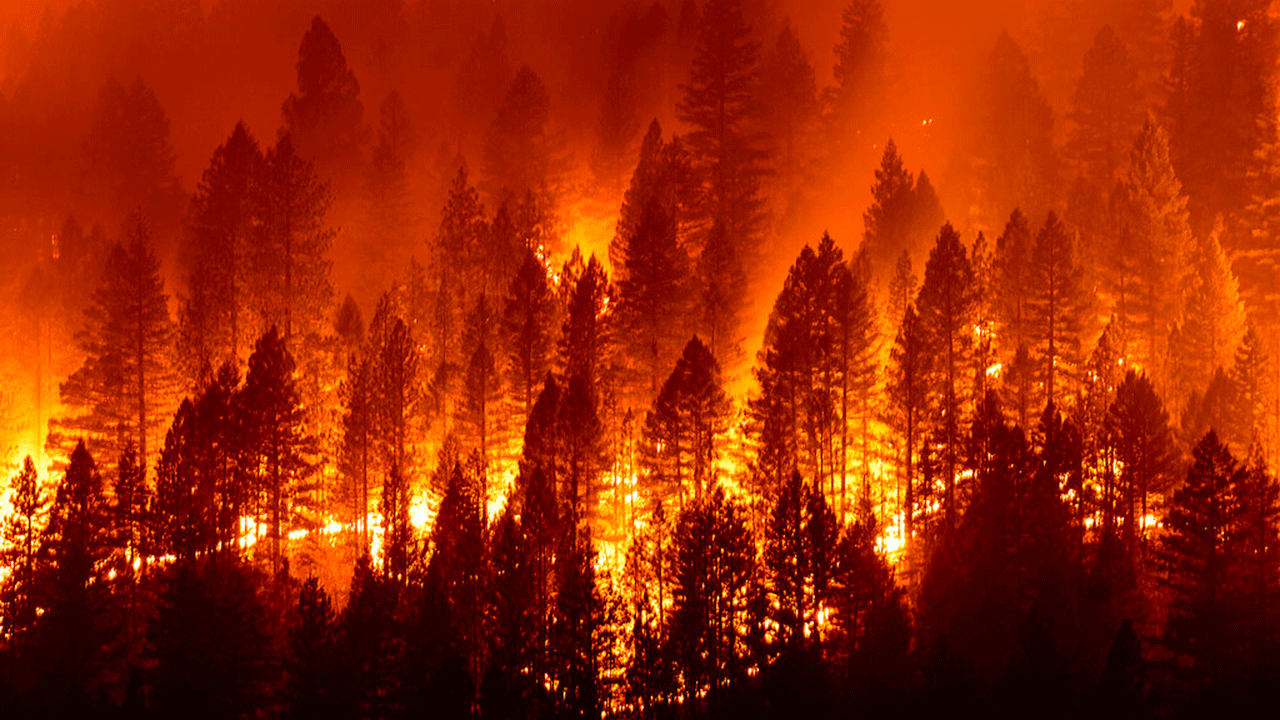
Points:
x=529, y=383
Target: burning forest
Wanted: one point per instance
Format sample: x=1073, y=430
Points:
x=638, y=358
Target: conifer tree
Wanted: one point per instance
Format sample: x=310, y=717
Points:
x=1055, y=309
x=278, y=450
x=1013, y=286
x=800, y=554
x=185, y=504
x=902, y=293
x=520, y=151
x=396, y=388
x=123, y=390
x=214, y=319
x=1149, y=251
x=1221, y=106
x=357, y=456
x=1105, y=111
x=907, y=396
x=1015, y=139
x=616, y=131
x=483, y=77
x=946, y=306
x=21, y=534
x=391, y=223
x=1138, y=430
x=723, y=282
x=454, y=280
x=312, y=661
x=73, y=587
x=397, y=532
x=1197, y=553
x=720, y=103
x=653, y=296
x=289, y=267
x=1213, y=321
x=325, y=116
x=128, y=162
x=528, y=323
x=791, y=112
x=663, y=174
x=903, y=213
x=1255, y=389
x=210, y=641
x=860, y=72
x=588, y=335
x=713, y=568
x=684, y=431
x=454, y=583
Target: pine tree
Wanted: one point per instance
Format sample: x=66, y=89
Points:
x=288, y=266
x=1055, y=309
x=210, y=642
x=791, y=111
x=128, y=158
x=1015, y=141
x=946, y=305
x=21, y=534
x=391, y=222
x=907, y=403
x=1105, y=111
x=73, y=587
x=520, y=152
x=454, y=282
x=325, y=116
x=663, y=174
x=684, y=432
x=653, y=295
x=527, y=322
x=185, y=522
x=714, y=567
x=860, y=73
x=213, y=320
x=483, y=77
x=1221, y=106
x=1196, y=555
x=616, y=131
x=480, y=417
x=903, y=213
x=122, y=391
x=1254, y=388
x=1258, y=498
x=1149, y=250
x=797, y=413
x=1138, y=430
x=312, y=661
x=720, y=103
x=902, y=293
x=278, y=450
x=800, y=555
x=1013, y=263
x=1213, y=321
x=587, y=337
x=396, y=389
x=397, y=531
x=455, y=573
x=723, y=281
x=357, y=459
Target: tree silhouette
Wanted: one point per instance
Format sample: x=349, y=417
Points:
x=123, y=390
x=684, y=431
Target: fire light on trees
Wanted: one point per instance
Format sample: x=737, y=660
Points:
x=672, y=358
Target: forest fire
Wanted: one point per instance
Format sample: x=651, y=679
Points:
x=638, y=358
